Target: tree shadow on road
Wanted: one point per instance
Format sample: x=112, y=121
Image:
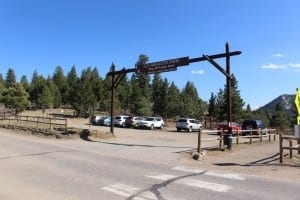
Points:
x=268, y=161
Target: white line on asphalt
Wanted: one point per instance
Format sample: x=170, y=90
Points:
x=127, y=191
x=193, y=182
x=209, y=173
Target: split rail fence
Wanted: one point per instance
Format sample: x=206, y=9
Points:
x=252, y=135
x=45, y=123
x=288, y=138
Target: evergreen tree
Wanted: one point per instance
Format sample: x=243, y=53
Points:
x=39, y=92
x=1, y=79
x=248, y=113
x=279, y=119
x=192, y=106
x=89, y=91
x=142, y=79
x=10, y=78
x=55, y=98
x=139, y=91
x=15, y=97
x=25, y=83
x=159, y=95
x=212, y=110
x=60, y=80
x=173, y=99
x=105, y=98
x=237, y=103
x=72, y=92
x=138, y=103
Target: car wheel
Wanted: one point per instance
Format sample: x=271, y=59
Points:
x=151, y=127
x=162, y=126
x=178, y=129
x=190, y=129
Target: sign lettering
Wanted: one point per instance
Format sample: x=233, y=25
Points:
x=163, y=66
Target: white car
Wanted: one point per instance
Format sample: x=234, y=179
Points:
x=188, y=124
x=151, y=123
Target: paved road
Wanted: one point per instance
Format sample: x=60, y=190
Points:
x=35, y=168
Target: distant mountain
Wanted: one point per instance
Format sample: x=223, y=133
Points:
x=287, y=102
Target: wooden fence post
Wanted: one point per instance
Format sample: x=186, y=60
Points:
x=291, y=146
x=221, y=139
x=280, y=148
x=66, y=125
x=199, y=139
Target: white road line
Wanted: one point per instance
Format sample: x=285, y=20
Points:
x=127, y=191
x=193, y=182
x=209, y=173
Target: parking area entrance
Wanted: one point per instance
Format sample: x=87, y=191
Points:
x=171, y=65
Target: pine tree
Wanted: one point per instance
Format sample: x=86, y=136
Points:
x=212, y=110
x=25, y=83
x=159, y=95
x=173, y=99
x=15, y=97
x=10, y=78
x=60, y=80
x=56, y=99
x=237, y=103
x=191, y=105
x=72, y=92
x=279, y=119
x=39, y=92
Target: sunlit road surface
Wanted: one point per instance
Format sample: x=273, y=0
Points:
x=36, y=168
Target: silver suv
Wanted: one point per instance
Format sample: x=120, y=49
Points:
x=188, y=124
x=119, y=120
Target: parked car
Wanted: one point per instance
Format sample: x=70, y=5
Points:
x=255, y=126
x=95, y=119
x=188, y=124
x=119, y=120
x=236, y=127
x=105, y=121
x=151, y=123
x=132, y=121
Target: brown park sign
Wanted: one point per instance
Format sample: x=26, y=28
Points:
x=163, y=66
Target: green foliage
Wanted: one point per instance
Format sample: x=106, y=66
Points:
x=10, y=78
x=173, y=99
x=60, y=80
x=15, y=97
x=212, y=110
x=279, y=119
x=237, y=103
x=191, y=105
x=159, y=95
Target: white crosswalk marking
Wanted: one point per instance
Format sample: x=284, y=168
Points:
x=127, y=191
x=209, y=173
x=193, y=182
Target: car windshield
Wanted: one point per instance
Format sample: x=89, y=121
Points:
x=182, y=120
x=149, y=119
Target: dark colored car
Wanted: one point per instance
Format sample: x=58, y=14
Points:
x=132, y=121
x=255, y=126
x=105, y=121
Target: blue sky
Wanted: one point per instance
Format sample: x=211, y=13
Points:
x=43, y=34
